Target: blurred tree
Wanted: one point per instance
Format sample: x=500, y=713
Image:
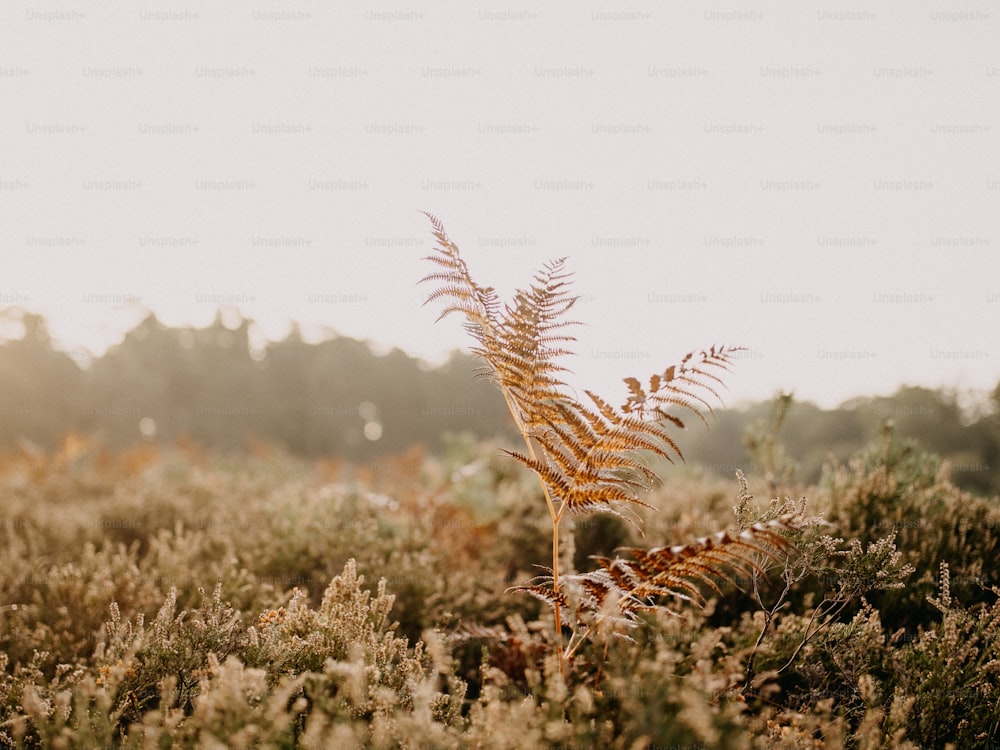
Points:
x=38, y=385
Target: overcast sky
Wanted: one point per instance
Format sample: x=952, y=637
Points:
x=819, y=182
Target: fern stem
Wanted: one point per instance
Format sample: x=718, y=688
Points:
x=555, y=515
x=572, y=647
x=555, y=585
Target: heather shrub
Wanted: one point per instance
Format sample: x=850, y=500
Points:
x=892, y=487
x=951, y=673
x=52, y=612
x=895, y=659
x=200, y=676
x=176, y=644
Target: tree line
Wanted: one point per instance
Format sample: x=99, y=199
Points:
x=339, y=398
x=335, y=397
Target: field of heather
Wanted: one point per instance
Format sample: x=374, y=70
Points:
x=156, y=597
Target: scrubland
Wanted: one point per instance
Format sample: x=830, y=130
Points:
x=171, y=597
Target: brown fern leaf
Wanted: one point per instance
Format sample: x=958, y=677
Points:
x=723, y=558
x=544, y=594
x=587, y=457
x=657, y=440
x=678, y=386
x=591, y=457
x=530, y=338
x=623, y=588
x=602, y=442
x=479, y=304
x=595, y=598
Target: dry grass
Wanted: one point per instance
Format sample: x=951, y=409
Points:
x=192, y=601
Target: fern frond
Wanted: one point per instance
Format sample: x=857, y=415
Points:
x=521, y=341
x=683, y=573
x=590, y=457
x=544, y=594
x=549, y=474
x=677, y=571
x=678, y=385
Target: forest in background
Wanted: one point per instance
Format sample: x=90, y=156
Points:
x=206, y=387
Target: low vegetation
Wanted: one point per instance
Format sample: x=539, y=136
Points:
x=177, y=599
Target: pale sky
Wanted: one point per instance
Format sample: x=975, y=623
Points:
x=818, y=182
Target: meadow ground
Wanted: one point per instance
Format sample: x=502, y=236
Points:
x=172, y=598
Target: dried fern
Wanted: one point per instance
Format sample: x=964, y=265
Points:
x=589, y=456
x=613, y=595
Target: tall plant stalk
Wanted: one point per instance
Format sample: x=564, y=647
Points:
x=589, y=457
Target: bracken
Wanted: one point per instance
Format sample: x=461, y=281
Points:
x=588, y=457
